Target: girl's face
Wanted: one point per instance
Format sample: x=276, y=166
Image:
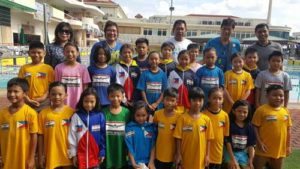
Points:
x=101, y=57
x=166, y=52
x=170, y=103
x=127, y=55
x=240, y=113
x=193, y=54
x=64, y=34
x=111, y=33
x=196, y=104
x=154, y=60
x=238, y=63
x=179, y=30
x=89, y=102
x=216, y=100
x=276, y=98
x=184, y=60
x=275, y=63
x=71, y=54
x=141, y=115
x=57, y=96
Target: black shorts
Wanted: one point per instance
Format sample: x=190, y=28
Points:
x=163, y=165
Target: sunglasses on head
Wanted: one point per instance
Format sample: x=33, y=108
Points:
x=65, y=31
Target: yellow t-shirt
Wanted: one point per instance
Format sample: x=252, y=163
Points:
x=165, y=142
x=39, y=77
x=220, y=124
x=194, y=134
x=236, y=85
x=15, y=130
x=54, y=126
x=272, y=129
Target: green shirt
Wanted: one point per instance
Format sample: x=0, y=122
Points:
x=115, y=132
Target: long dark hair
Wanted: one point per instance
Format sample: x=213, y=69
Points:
x=237, y=104
x=59, y=28
x=86, y=92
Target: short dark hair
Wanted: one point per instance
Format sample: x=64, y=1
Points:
x=167, y=44
x=274, y=87
x=86, y=92
x=110, y=23
x=237, y=104
x=250, y=50
x=276, y=54
x=71, y=44
x=36, y=45
x=153, y=52
x=182, y=53
x=235, y=55
x=21, y=82
x=126, y=46
x=106, y=52
x=138, y=105
x=228, y=22
x=142, y=40
x=193, y=46
x=115, y=87
x=177, y=22
x=206, y=50
x=171, y=92
x=196, y=93
x=56, y=84
x=261, y=25
x=59, y=28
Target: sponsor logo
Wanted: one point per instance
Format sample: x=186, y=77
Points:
x=4, y=126
x=129, y=133
x=271, y=118
x=233, y=81
x=96, y=127
x=49, y=123
x=41, y=75
x=22, y=124
x=187, y=128
x=161, y=125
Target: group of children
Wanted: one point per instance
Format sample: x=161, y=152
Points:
x=147, y=111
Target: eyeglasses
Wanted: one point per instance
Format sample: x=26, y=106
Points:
x=65, y=31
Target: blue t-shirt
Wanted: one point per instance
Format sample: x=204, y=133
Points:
x=241, y=137
x=115, y=52
x=209, y=78
x=101, y=79
x=153, y=84
x=223, y=52
x=140, y=139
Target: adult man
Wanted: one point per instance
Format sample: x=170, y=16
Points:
x=225, y=45
x=264, y=46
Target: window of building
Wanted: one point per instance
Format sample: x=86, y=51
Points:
x=161, y=32
x=147, y=31
x=191, y=33
x=218, y=22
x=247, y=24
x=210, y=22
x=204, y=22
x=240, y=24
x=5, y=16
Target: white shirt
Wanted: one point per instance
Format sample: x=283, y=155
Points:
x=179, y=46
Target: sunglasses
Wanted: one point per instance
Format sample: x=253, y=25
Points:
x=65, y=31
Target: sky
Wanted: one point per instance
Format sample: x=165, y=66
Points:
x=284, y=12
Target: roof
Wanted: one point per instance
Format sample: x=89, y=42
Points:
x=206, y=36
x=101, y=1
x=215, y=16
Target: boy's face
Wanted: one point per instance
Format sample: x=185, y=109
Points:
x=184, y=60
x=37, y=55
x=127, y=55
x=166, y=52
x=154, y=60
x=170, y=103
x=115, y=98
x=275, y=63
x=276, y=98
x=251, y=59
x=141, y=49
x=71, y=54
x=193, y=54
x=196, y=104
x=210, y=58
x=15, y=94
x=101, y=57
x=57, y=96
x=241, y=113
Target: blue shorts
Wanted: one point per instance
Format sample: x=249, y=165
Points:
x=240, y=156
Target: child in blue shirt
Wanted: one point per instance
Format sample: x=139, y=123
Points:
x=140, y=138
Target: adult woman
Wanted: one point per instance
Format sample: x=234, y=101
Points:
x=111, y=32
x=54, y=51
x=179, y=41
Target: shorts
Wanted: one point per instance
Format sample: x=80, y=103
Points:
x=163, y=165
x=240, y=156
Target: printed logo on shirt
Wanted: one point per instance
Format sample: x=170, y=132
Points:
x=71, y=81
x=147, y=134
x=187, y=128
x=122, y=74
x=172, y=126
x=243, y=82
x=41, y=75
x=101, y=80
x=154, y=87
x=4, y=126
x=79, y=128
x=190, y=82
x=129, y=134
x=65, y=122
x=239, y=141
x=49, y=123
x=285, y=117
x=133, y=74
x=96, y=127
x=115, y=128
x=203, y=127
x=211, y=81
x=233, y=81
x=271, y=118
x=22, y=124
x=176, y=80
x=27, y=75
x=221, y=123
x=161, y=125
